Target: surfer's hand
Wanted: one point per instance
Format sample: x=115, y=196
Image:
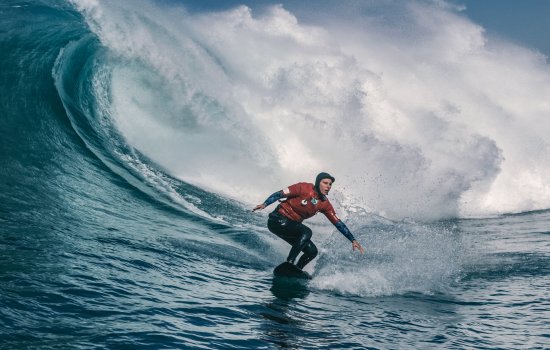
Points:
x=259, y=207
x=358, y=246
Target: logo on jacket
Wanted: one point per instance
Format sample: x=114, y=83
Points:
x=313, y=201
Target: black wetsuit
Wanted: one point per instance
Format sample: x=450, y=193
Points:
x=296, y=234
x=303, y=200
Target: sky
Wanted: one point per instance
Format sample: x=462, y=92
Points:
x=525, y=22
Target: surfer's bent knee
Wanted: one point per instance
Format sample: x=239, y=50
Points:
x=310, y=249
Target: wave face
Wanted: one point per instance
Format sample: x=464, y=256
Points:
x=136, y=135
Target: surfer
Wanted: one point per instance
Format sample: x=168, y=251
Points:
x=303, y=200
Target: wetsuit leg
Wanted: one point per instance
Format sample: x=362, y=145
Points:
x=310, y=252
x=296, y=234
x=302, y=238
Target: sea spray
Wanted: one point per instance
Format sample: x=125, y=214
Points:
x=400, y=257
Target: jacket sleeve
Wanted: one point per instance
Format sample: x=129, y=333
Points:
x=293, y=190
x=273, y=198
x=339, y=224
x=344, y=230
x=289, y=192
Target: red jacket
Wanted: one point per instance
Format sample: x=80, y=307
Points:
x=303, y=202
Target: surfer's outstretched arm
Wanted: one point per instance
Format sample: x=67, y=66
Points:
x=271, y=199
x=347, y=233
x=339, y=224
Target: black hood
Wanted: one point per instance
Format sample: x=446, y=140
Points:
x=320, y=177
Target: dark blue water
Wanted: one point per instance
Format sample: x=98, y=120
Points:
x=103, y=248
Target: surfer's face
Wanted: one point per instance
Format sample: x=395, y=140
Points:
x=325, y=185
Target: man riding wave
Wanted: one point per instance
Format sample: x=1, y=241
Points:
x=303, y=200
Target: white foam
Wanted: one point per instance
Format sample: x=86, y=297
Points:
x=399, y=258
x=426, y=117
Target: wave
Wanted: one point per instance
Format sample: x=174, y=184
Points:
x=197, y=110
x=81, y=76
x=420, y=119
x=129, y=149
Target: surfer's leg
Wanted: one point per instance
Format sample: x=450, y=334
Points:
x=283, y=228
x=310, y=252
x=302, y=238
x=297, y=235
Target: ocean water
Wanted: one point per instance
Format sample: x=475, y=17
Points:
x=136, y=136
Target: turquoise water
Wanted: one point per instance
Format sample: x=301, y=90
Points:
x=106, y=246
